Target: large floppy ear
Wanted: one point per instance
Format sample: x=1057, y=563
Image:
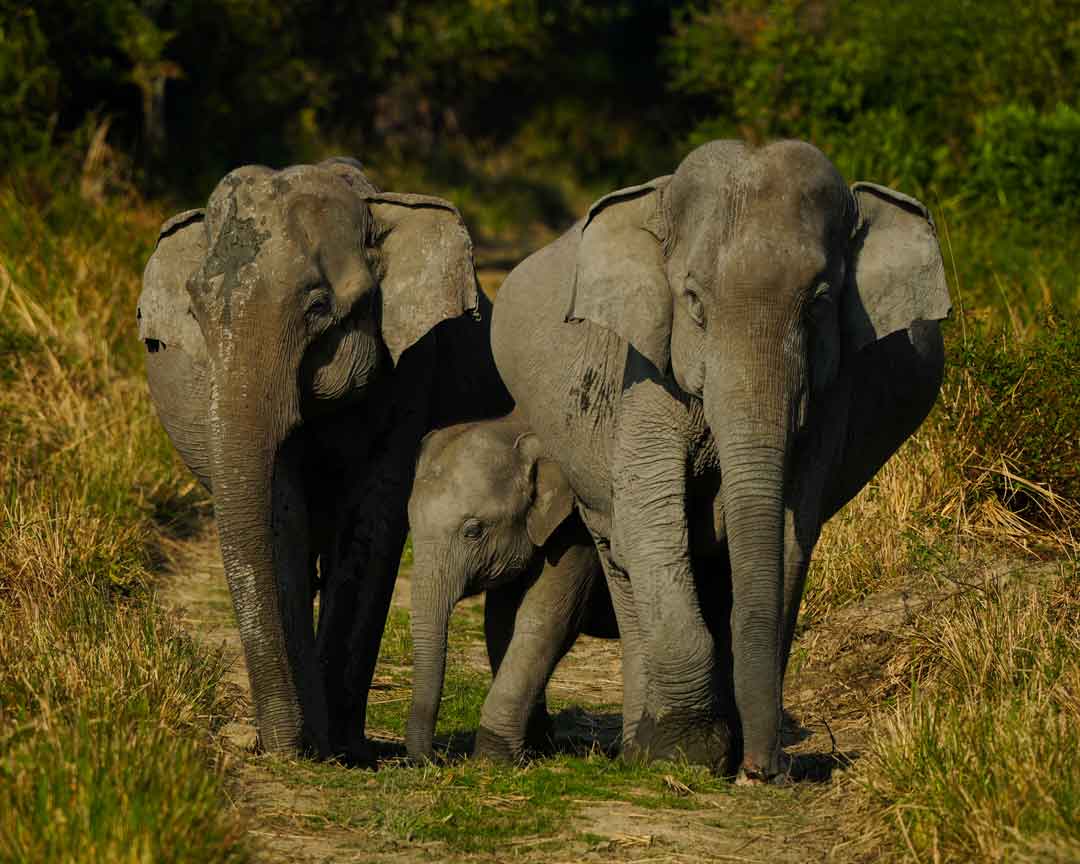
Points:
x=164, y=311
x=425, y=264
x=896, y=276
x=620, y=281
x=551, y=501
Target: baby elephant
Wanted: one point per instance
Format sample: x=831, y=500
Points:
x=489, y=513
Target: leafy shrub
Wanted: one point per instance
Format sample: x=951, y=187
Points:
x=1027, y=161
x=28, y=84
x=1014, y=408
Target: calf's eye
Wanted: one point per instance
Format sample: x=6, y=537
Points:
x=472, y=528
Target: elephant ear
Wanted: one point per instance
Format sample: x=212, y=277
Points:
x=620, y=281
x=163, y=313
x=552, y=500
x=425, y=263
x=897, y=275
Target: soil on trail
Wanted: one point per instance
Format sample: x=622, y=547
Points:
x=800, y=823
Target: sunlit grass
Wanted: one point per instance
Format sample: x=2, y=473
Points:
x=978, y=760
x=106, y=707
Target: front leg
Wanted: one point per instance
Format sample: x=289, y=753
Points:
x=635, y=676
x=360, y=566
x=651, y=542
x=546, y=625
x=500, y=611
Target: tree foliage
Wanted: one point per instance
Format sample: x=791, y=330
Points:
x=971, y=103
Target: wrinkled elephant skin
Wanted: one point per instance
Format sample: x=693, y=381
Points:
x=491, y=513
x=719, y=359
x=302, y=334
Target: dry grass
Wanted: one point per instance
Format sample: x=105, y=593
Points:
x=976, y=716
x=105, y=708
x=953, y=493
x=978, y=759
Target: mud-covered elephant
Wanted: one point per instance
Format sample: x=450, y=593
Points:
x=719, y=359
x=489, y=513
x=303, y=333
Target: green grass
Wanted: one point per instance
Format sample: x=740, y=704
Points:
x=475, y=806
x=107, y=707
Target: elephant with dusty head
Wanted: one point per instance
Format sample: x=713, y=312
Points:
x=303, y=333
x=489, y=512
x=720, y=359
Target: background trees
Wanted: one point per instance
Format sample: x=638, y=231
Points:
x=523, y=110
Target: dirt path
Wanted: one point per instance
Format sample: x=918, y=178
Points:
x=288, y=822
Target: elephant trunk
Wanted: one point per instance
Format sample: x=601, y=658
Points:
x=433, y=600
x=262, y=521
x=752, y=408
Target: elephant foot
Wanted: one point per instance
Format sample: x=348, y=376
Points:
x=750, y=775
x=493, y=746
x=702, y=739
x=358, y=752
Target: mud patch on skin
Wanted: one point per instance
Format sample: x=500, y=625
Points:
x=236, y=245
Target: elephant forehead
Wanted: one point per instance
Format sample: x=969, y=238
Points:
x=466, y=490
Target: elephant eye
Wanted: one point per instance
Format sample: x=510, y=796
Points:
x=319, y=302
x=820, y=301
x=694, y=307
x=472, y=528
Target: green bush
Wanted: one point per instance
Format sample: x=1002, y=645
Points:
x=1027, y=162
x=1014, y=408
x=28, y=84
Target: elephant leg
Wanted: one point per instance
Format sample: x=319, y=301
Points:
x=651, y=541
x=713, y=579
x=819, y=449
x=796, y=565
x=500, y=611
x=635, y=679
x=355, y=601
x=546, y=625
x=360, y=569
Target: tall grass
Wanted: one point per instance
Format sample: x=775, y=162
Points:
x=975, y=757
x=978, y=760
x=106, y=706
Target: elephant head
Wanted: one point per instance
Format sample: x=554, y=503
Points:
x=752, y=276
x=303, y=289
x=484, y=502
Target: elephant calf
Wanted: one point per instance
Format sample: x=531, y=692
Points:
x=489, y=513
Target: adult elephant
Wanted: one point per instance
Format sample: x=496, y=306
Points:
x=747, y=342
x=303, y=333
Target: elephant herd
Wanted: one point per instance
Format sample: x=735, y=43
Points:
x=640, y=439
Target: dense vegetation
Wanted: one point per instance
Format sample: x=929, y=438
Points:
x=523, y=109
x=113, y=112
